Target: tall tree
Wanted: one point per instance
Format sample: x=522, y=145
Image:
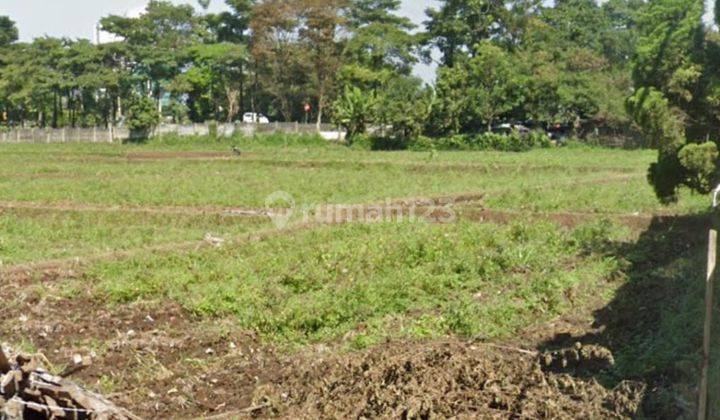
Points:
x=8, y=31
x=676, y=74
x=213, y=81
x=281, y=71
x=155, y=41
x=477, y=91
x=323, y=24
x=380, y=45
x=458, y=25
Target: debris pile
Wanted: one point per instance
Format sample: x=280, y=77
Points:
x=448, y=380
x=29, y=392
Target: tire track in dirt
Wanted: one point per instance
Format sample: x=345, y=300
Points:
x=167, y=210
x=479, y=196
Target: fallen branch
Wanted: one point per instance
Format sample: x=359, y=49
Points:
x=4, y=362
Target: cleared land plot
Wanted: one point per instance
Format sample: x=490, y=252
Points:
x=251, y=323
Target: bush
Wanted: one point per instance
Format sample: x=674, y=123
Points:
x=142, y=117
x=286, y=140
x=377, y=143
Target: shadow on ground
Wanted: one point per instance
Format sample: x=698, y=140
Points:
x=653, y=324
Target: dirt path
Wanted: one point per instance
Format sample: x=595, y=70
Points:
x=160, y=210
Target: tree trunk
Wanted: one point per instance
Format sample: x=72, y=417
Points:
x=55, y=109
x=242, y=88
x=321, y=108
x=232, y=100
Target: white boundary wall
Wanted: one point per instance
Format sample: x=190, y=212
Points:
x=112, y=135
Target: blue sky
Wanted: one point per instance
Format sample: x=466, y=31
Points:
x=77, y=18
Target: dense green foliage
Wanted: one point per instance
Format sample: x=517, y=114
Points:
x=513, y=142
x=142, y=116
x=347, y=61
x=676, y=102
x=567, y=63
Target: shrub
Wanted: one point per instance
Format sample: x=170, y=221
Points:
x=513, y=142
x=142, y=117
x=287, y=140
x=377, y=143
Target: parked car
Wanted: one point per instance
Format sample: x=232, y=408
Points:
x=511, y=128
x=255, y=118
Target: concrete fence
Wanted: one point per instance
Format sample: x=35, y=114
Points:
x=112, y=135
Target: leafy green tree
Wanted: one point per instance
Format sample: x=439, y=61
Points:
x=457, y=26
x=233, y=27
x=381, y=44
x=478, y=90
x=404, y=106
x=156, y=40
x=676, y=75
x=281, y=70
x=8, y=31
x=323, y=24
x=213, y=81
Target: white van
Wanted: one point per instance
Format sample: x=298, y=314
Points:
x=254, y=118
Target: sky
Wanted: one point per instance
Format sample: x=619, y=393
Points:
x=77, y=18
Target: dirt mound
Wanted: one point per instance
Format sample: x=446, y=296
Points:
x=578, y=360
x=447, y=379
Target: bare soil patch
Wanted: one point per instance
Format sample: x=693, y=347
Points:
x=154, y=361
x=164, y=362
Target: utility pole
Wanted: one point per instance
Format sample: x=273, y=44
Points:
x=709, y=306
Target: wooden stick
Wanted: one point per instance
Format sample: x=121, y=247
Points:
x=514, y=349
x=4, y=362
x=709, y=292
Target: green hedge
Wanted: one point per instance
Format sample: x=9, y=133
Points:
x=514, y=142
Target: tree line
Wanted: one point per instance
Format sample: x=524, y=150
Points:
x=346, y=61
